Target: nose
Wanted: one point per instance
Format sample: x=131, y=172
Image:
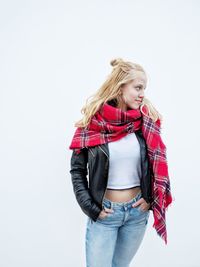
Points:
x=141, y=95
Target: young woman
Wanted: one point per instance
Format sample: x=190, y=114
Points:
x=118, y=142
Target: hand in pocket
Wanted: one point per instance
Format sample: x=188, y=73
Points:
x=104, y=213
x=143, y=205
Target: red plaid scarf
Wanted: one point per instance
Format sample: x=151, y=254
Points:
x=110, y=124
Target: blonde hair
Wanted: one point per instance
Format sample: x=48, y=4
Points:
x=122, y=73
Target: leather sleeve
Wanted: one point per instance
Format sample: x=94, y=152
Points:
x=79, y=174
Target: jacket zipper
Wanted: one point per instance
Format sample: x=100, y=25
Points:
x=91, y=151
x=103, y=151
x=107, y=179
x=104, y=195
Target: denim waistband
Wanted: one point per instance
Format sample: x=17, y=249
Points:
x=122, y=204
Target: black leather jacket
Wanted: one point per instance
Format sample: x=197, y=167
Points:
x=96, y=160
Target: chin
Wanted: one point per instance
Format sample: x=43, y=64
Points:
x=136, y=106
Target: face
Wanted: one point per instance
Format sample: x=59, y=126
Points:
x=133, y=92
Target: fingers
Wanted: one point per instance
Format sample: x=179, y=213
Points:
x=108, y=210
x=104, y=212
x=137, y=203
x=144, y=206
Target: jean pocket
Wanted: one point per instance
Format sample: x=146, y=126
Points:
x=147, y=216
x=141, y=210
x=109, y=214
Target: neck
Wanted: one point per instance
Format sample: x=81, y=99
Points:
x=122, y=106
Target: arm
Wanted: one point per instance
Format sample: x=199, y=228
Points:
x=80, y=184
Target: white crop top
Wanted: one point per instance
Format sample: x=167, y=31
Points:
x=124, y=163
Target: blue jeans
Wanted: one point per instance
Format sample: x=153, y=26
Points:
x=114, y=240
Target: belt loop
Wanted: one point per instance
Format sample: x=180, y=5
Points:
x=111, y=204
x=138, y=196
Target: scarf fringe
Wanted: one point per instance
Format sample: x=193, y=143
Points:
x=158, y=219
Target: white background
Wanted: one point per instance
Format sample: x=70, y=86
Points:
x=55, y=54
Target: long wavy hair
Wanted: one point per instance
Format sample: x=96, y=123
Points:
x=123, y=72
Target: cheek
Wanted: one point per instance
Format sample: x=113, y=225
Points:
x=133, y=95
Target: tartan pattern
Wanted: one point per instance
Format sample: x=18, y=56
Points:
x=110, y=124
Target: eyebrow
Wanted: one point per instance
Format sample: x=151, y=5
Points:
x=140, y=84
